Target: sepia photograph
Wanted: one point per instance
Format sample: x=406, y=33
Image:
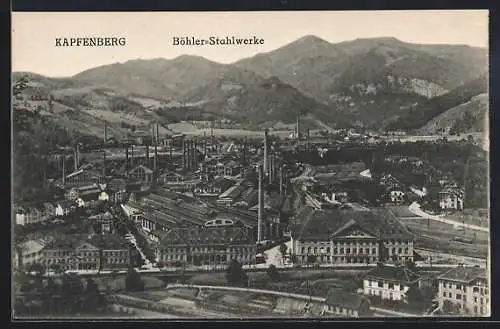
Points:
x=313, y=165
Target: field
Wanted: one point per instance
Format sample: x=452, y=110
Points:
x=189, y=129
x=438, y=236
x=479, y=217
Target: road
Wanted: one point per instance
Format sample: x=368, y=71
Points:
x=417, y=210
x=379, y=311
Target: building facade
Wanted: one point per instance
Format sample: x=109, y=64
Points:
x=390, y=282
x=349, y=236
x=464, y=290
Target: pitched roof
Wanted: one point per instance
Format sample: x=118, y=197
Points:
x=207, y=235
x=31, y=246
x=328, y=223
x=393, y=273
x=464, y=274
x=337, y=297
x=146, y=169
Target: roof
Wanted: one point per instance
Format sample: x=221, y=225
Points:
x=393, y=273
x=66, y=242
x=109, y=242
x=105, y=216
x=325, y=224
x=31, y=246
x=337, y=297
x=146, y=169
x=464, y=274
x=208, y=235
x=117, y=184
x=233, y=192
x=339, y=172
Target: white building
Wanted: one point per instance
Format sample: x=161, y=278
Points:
x=465, y=290
x=390, y=282
x=29, y=252
x=397, y=196
x=451, y=198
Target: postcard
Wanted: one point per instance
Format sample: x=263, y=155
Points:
x=313, y=165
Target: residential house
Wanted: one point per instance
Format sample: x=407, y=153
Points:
x=349, y=236
x=390, y=282
x=397, y=196
x=33, y=214
x=29, y=253
x=466, y=290
x=76, y=192
x=64, y=208
x=451, y=197
x=346, y=304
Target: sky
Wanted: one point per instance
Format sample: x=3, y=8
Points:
x=149, y=34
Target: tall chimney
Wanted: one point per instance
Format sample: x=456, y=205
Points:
x=76, y=157
x=245, y=151
x=157, y=134
x=183, y=154
x=147, y=155
x=63, y=173
x=265, y=152
x=204, y=143
x=281, y=180
x=308, y=139
x=195, y=155
x=131, y=156
x=126, y=160
x=104, y=163
x=105, y=132
x=297, y=128
x=212, y=136
x=155, y=165
x=260, y=213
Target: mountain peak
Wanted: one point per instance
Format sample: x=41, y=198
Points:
x=310, y=39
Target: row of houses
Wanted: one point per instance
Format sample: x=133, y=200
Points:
x=75, y=253
x=460, y=290
x=87, y=196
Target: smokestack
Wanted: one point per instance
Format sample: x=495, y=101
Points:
x=265, y=152
x=297, y=128
x=260, y=213
x=104, y=163
x=212, y=135
x=76, y=157
x=147, y=155
x=63, y=173
x=131, y=155
x=281, y=180
x=204, y=143
x=245, y=151
x=195, y=155
x=155, y=165
x=157, y=134
x=184, y=162
x=105, y=132
x=308, y=139
x=126, y=160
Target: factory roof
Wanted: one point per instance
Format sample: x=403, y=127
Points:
x=345, y=299
x=331, y=223
x=207, y=235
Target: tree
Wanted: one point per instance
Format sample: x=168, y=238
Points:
x=410, y=265
x=414, y=295
x=133, y=281
x=447, y=307
x=273, y=273
x=311, y=259
x=235, y=273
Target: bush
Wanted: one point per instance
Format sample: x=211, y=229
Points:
x=133, y=281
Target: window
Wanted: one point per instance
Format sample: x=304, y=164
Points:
x=303, y=249
x=406, y=250
x=475, y=299
x=486, y=291
x=374, y=250
x=449, y=285
x=380, y=284
x=449, y=294
x=348, y=251
x=475, y=309
x=465, y=298
x=391, y=285
x=401, y=287
x=459, y=296
x=459, y=287
x=328, y=250
x=354, y=250
x=400, y=250
x=475, y=289
x=341, y=250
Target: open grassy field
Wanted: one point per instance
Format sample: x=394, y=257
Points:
x=479, y=217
